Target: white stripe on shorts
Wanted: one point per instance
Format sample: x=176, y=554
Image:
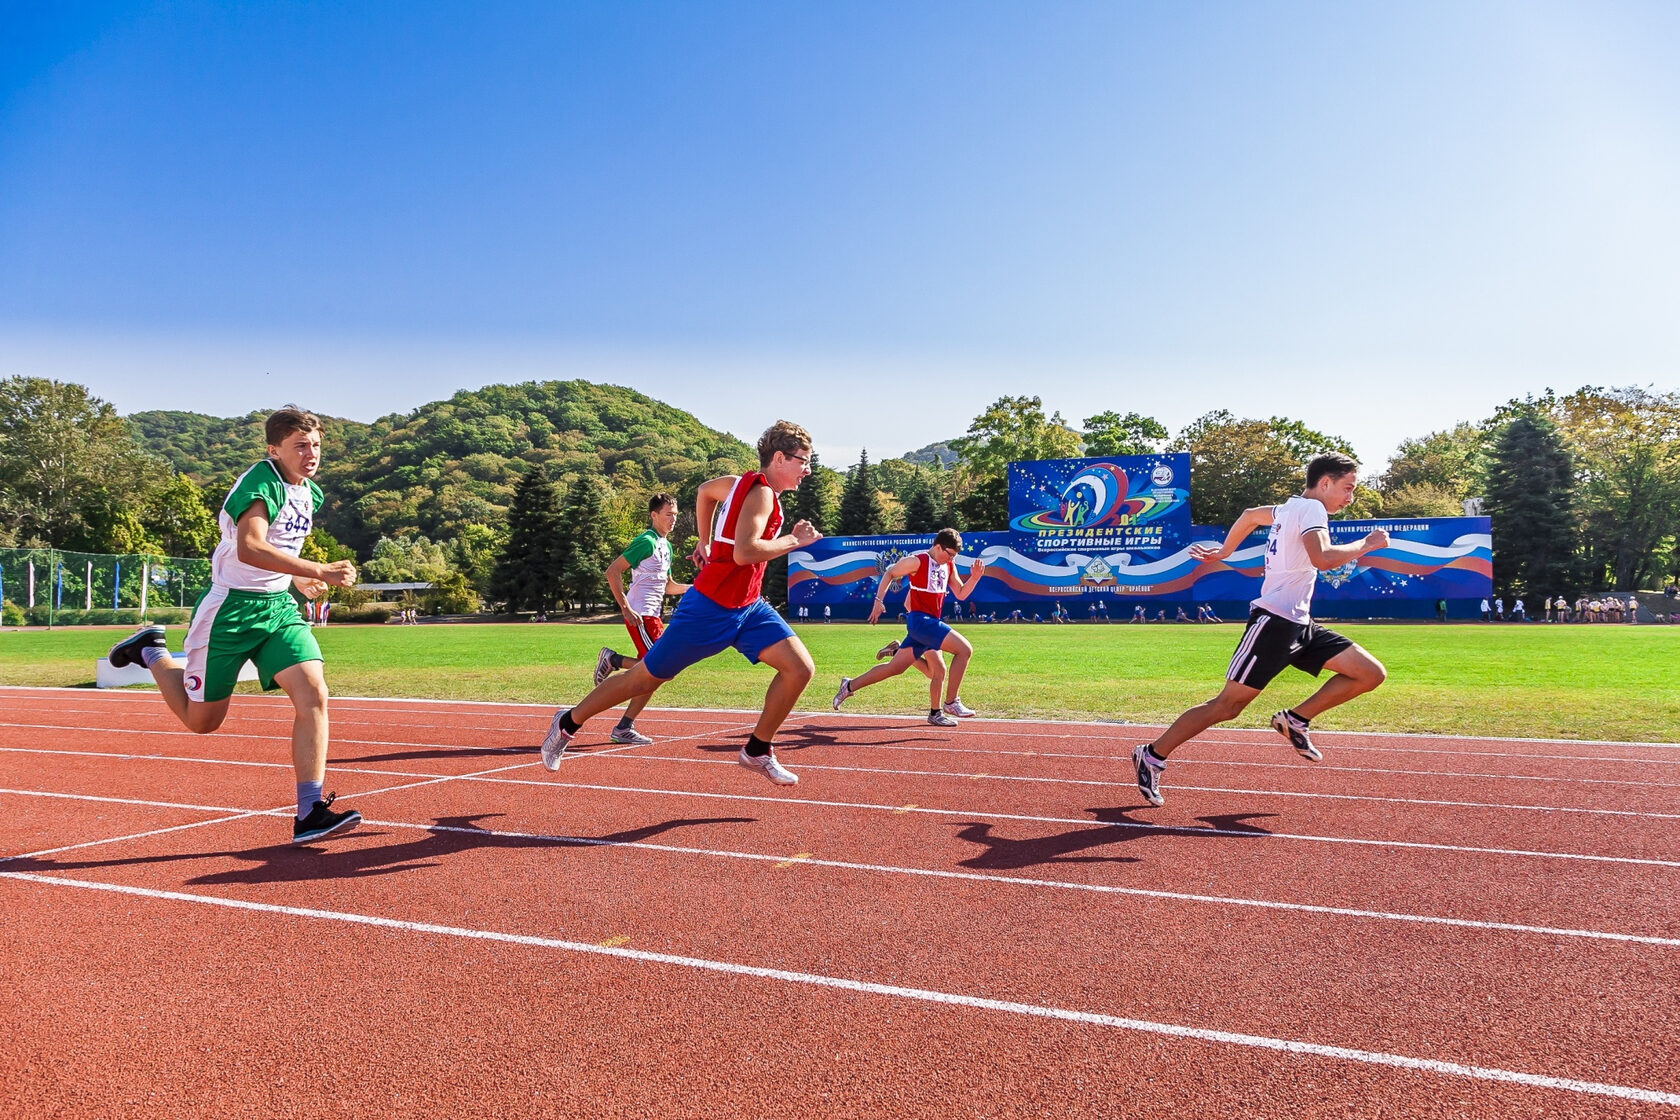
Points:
x=1238, y=671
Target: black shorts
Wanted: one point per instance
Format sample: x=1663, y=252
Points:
x=1271, y=643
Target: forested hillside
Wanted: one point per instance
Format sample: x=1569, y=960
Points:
x=452, y=463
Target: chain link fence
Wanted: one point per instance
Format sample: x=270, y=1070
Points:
x=49, y=587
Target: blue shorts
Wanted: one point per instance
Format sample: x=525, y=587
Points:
x=923, y=632
x=699, y=628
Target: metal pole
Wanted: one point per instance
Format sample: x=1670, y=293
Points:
x=89, y=586
x=145, y=585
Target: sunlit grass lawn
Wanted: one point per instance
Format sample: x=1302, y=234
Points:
x=1589, y=682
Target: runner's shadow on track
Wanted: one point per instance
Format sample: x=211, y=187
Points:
x=1005, y=854
x=447, y=837
x=433, y=752
x=799, y=738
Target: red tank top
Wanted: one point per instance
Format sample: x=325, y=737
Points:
x=927, y=586
x=721, y=580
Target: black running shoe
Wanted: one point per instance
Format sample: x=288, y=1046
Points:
x=1294, y=728
x=322, y=821
x=127, y=651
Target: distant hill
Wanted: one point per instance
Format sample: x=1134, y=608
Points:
x=455, y=462
x=940, y=453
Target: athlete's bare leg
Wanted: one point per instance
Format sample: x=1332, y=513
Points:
x=794, y=670
x=900, y=661
x=1356, y=673
x=307, y=687
x=960, y=650
x=616, y=690
x=199, y=718
x=1228, y=705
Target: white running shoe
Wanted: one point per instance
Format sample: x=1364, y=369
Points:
x=767, y=765
x=940, y=719
x=555, y=742
x=845, y=691
x=958, y=708
x=603, y=666
x=1294, y=728
x=629, y=735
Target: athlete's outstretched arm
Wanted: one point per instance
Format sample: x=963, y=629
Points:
x=755, y=515
x=1325, y=555
x=898, y=571
x=1257, y=518
x=711, y=495
x=961, y=587
x=251, y=543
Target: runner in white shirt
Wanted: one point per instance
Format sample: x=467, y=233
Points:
x=1280, y=629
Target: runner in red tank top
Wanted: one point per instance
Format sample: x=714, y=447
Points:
x=740, y=520
x=930, y=574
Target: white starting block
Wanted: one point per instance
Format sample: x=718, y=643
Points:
x=106, y=677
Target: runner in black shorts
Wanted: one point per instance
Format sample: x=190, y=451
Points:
x=1280, y=629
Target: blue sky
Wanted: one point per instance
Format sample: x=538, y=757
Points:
x=873, y=218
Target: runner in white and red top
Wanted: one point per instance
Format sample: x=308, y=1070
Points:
x=740, y=520
x=931, y=573
x=1281, y=632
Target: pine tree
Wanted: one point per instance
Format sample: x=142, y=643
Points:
x=527, y=574
x=921, y=512
x=814, y=500
x=860, y=506
x=1530, y=496
x=585, y=560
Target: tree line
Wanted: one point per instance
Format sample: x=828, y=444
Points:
x=514, y=507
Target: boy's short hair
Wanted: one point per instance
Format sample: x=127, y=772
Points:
x=948, y=538
x=659, y=501
x=288, y=420
x=1331, y=464
x=784, y=436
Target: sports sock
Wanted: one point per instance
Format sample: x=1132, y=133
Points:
x=567, y=724
x=1297, y=715
x=616, y=661
x=1160, y=763
x=624, y=724
x=756, y=747
x=151, y=655
x=308, y=793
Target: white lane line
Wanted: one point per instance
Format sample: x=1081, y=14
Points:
x=895, y=991
x=921, y=872
x=1106, y=726
x=1023, y=778
x=1244, y=834
x=1006, y=778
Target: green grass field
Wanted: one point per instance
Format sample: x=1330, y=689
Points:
x=1585, y=682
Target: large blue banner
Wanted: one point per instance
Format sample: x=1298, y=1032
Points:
x=1132, y=503
x=1427, y=560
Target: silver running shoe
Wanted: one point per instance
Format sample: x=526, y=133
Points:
x=555, y=742
x=603, y=666
x=844, y=691
x=940, y=719
x=768, y=766
x=958, y=708
x=1294, y=728
x=1148, y=775
x=629, y=735
x=887, y=650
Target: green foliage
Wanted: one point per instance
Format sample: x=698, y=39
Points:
x=473, y=553
x=179, y=519
x=1626, y=444
x=1420, y=499
x=1109, y=433
x=921, y=512
x=938, y=455
x=1450, y=462
x=1530, y=496
x=1235, y=465
x=1011, y=428
x=586, y=551
x=213, y=451
x=527, y=575
x=451, y=595
x=11, y=614
x=405, y=559
x=861, y=512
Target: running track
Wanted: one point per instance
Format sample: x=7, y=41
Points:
x=979, y=922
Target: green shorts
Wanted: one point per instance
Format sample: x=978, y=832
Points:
x=230, y=628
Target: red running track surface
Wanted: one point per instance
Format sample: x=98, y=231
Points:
x=985, y=921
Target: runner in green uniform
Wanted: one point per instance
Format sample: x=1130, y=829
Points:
x=249, y=615
x=648, y=560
